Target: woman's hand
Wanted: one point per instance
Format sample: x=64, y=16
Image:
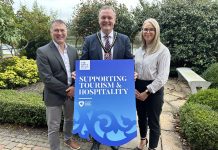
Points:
x=142, y=96
x=137, y=93
x=135, y=75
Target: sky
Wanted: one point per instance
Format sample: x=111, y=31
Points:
x=64, y=8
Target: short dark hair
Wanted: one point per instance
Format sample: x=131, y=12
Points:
x=58, y=21
x=107, y=7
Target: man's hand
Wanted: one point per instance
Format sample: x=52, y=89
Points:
x=135, y=75
x=73, y=74
x=70, y=91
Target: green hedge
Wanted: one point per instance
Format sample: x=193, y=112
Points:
x=22, y=108
x=17, y=72
x=206, y=97
x=211, y=74
x=189, y=30
x=200, y=125
x=198, y=119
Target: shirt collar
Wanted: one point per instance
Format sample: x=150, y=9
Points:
x=110, y=35
x=142, y=51
x=58, y=46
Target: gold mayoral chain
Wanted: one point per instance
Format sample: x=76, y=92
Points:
x=102, y=45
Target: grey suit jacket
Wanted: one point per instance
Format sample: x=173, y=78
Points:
x=92, y=49
x=53, y=73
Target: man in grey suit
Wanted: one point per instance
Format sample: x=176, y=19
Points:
x=106, y=45
x=55, y=63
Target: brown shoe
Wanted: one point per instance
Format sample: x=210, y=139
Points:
x=72, y=144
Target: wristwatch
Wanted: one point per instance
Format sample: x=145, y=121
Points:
x=147, y=92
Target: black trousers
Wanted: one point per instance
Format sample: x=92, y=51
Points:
x=149, y=113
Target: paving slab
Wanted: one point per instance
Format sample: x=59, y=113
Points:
x=177, y=104
x=171, y=140
x=167, y=107
x=170, y=97
x=167, y=121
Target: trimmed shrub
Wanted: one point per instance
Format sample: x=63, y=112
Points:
x=17, y=72
x=200, y=125
x=206, y=97
x=211, y=74
x=198, y=119
x=22, y=108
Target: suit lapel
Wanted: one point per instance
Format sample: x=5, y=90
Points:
x=99, y=48
x=116, y=47
x=57, y=55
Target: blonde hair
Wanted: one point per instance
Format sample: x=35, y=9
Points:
x=155, y=44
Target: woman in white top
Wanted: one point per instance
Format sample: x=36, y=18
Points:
x=152, y=63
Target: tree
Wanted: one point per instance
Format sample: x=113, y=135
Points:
x=9, y=32
x=190, y=30
x=35, y=28
x=144, y=11
x=85, y=20
x=125, y=22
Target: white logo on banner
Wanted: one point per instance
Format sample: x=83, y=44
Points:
x=81, y=103
x=84, y=65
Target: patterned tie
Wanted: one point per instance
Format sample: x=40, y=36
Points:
x=107, y=55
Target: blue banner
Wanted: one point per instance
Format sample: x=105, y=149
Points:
x=104, y=104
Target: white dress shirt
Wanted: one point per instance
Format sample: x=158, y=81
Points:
x=111, y=38
x=154, y=67
x=66, y=61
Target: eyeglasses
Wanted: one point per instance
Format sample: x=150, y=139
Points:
x=148, y=29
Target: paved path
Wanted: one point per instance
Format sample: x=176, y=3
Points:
x=20, y=138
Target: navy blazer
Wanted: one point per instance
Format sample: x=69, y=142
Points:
x=92, y=49
x=53, y=73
